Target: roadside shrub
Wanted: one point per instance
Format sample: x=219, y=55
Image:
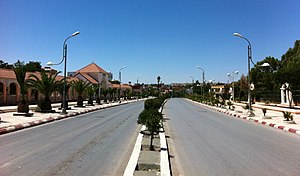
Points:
x=287, y=116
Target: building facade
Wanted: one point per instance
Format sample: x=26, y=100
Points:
x=92, y=73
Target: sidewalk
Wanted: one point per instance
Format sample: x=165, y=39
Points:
x=274, y=117
x=9, y=122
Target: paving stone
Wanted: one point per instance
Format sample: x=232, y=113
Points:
x=149, y=160
x=146, y=143
x=146, y=173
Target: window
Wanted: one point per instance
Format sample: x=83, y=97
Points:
x=1, y=88
x=12, y=89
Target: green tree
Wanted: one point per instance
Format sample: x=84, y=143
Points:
x=110, y=93
x=242, y=86
x=5, y=65
x=289, y=71
x=96, y=88
x=105, y=92
x=91, y=90
x=46, y=84
x=151, y=118
x=20, y=72
x=79, y=87
x=33, y=66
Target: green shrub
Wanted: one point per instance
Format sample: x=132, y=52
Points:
x=154, y=103
x=151, y=118
x=287, y=116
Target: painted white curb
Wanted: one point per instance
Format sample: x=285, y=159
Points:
x=164, y=159
x=130, y=168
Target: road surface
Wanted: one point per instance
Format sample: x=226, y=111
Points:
x=209, y=143
x=97, y=143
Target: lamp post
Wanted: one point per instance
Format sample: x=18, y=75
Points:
x=203, y=79
x=192, y=83
x=233, y=75
x=158, y=80
x=250, y=113
x=192, y=79
x=137, y=80
x=64, y=110
x=120, y=76
x=137, y=86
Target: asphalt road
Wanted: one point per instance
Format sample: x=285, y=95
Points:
x=209, y=143
x=97, y=143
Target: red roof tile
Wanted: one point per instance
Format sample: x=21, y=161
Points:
x=10, y=74
x=7, y=73
x=88, y=77
x=91, y=68
x=123, y=86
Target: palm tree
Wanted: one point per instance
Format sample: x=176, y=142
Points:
x=98, y=94
x=115, y=90
x=110, y=92
x=79, y=87
x=20, y=72
x=90, y=90
x=46, y=85
x=105, y=92
x=60, y=89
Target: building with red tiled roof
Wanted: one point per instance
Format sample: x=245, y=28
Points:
x=92, y=68
x=10, y=90
x=92, y=73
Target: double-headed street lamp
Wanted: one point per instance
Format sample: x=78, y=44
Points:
x=233, y=75
x=120, y=76
x=250, y=113
x=64, y=110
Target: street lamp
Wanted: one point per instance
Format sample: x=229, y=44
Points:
x=158, y=80
x=203, y=79
x=137, y=80
x=138, y=87
x=192, y=79
x=120, y=81
x=233, y=75
x=64, y=110
x=250, y=113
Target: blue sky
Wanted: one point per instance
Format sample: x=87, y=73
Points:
x=151, y=37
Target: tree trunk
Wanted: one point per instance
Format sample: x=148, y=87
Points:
x=151, y=141
x=23, y=107
x=90, y=102
x=80, y=101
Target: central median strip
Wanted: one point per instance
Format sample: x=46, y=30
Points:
x=150, y=154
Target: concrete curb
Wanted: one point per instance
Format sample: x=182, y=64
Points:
x=130, y=168
x=251, y=119
x=164, y=156
x=17, y=127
